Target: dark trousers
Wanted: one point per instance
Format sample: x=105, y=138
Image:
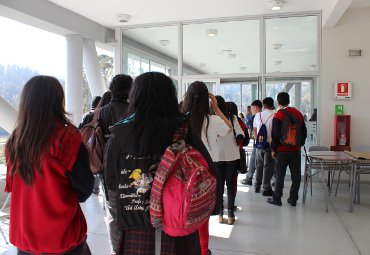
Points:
x=282, y=160
x=264, y=168
x=227, y=172
x=82, y=249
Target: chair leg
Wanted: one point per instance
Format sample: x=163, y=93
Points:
x=2, y=233
x=336, y=190
x=311, y=181
x=358, y=188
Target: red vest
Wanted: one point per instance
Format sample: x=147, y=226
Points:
x=45, y=217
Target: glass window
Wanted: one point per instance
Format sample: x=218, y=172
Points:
x=155, y=48
x=300, y=92
x=156, y=67
x=41, y=53
x=3, y=137
x=241, y=93
x=221, y=47
x=291, y=44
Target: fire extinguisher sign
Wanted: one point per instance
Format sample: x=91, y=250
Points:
x=343, y=90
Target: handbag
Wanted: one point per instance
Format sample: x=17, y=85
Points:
x=243, y=168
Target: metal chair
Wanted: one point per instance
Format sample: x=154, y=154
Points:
x=362, y=169
x=310, y=149
x=4, y=215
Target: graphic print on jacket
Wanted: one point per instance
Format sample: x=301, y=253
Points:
x=133, y=191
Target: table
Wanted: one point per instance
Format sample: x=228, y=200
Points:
x=361, y=165
x=329, y=161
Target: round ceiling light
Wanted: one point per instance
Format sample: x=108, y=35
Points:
x=277, y=46
x=164, y=42
x=123, y=18
x=278, y=62
x=275, y=5
x=211, y=32
x=232, y=55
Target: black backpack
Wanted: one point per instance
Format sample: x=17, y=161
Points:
x=291, y=130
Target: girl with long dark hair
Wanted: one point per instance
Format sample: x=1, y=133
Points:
x=132, y=153
x=209, y=128
x=48, y=174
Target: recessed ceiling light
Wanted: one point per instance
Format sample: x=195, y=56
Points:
x=313, y=67
x=296, y=50
x=277, y=46
x=275, y=5
x=211, y=32
x=243, y=68
x=232, y=55
x=278, y=62
x=123, y=18
x=226, y=51
x=164, y=42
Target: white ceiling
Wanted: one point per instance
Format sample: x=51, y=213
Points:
x=360, y=4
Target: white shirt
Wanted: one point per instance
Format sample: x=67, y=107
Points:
x=216, y=128
x=227, y=148
x=266, y=116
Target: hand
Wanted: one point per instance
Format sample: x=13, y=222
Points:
x=214, y=105
x=273, y=154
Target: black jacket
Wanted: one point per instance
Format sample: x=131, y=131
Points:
x=125, y=157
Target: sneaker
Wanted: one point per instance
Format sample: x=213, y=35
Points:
x=257, y=189
x=230, y=217
x=272, y=201
x=291, y=202
x=209, y=252
x=246, y=182
x=267, y=193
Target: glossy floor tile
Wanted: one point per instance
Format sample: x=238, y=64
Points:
x=264, y=229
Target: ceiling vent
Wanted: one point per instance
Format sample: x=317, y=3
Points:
x=354, y=53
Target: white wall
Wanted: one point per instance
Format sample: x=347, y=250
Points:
x=351, y=32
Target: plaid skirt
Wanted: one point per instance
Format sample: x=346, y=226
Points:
x=142, y=242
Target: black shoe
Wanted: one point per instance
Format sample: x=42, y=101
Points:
x=267, y=193
x=272, y=201
x=257, y=189
x=230, y=217
x=246, y=182
x=235, y=208
x=209, y=252
x=273, y=184
x=291, y=202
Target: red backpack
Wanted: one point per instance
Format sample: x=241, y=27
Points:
x=183, y=194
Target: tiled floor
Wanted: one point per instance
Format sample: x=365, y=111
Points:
x=265, y=229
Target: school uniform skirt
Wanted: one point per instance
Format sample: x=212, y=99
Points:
x=142, y=242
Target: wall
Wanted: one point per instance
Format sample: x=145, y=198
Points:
x=351, y=32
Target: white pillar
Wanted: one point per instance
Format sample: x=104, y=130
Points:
x=8, y=115
x=92, y=68
x=118, y=51
x=74, y=77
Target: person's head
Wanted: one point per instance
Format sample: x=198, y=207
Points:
x=232, y=109
x=41, y=106
x=241, y=115
x=268, y=103
x=256, y=106
x=153, y=100
x=95, y=102
x=105, y=99
x=120, y=86
x=196, y=101
x=222, y=105
x=283, y=99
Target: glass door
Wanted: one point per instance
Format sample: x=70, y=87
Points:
x=213, y=85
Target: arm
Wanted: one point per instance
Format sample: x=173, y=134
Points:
x=111, y=155
x=275, y=134
x=81, y=177
x=304, y=133
x=218, y=111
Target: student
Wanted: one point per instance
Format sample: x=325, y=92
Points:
x=227, y=158
x=88, y=117
x=256, y=107
x=209, y=128
x=153, y=117
x=48, y=174
x=285, y=155
x=110, y=113
x=264, y=160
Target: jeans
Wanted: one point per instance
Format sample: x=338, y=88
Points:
x=282, y=161
x=227, y=171
x=264, y=168
x=81, y=249
x=252, y=165
x=113, y=232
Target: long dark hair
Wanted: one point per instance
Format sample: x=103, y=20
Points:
x=153, y=100
x=41, y=105
x=196, y=102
